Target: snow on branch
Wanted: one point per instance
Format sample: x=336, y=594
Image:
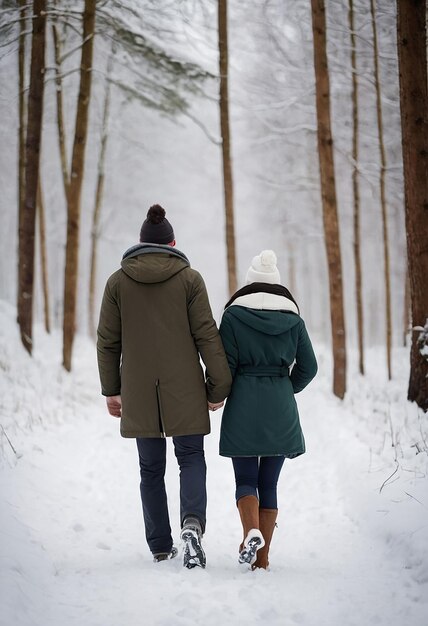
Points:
x=70, y=52
x=422, y=340
x=277, y=132
x=215, y=140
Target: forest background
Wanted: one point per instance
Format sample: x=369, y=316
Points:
x=300, y=126
x=114, y=107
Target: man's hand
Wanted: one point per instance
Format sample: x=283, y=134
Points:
x=114, y=405
x=213, y=406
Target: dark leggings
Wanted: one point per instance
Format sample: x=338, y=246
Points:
x=258, y=476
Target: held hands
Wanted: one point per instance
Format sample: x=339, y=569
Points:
x=114, y=405
x=213, y=406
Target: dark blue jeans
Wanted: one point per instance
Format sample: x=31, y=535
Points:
x=189, y=450
x=258, y=476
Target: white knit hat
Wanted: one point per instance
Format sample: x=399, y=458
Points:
x=263, y=269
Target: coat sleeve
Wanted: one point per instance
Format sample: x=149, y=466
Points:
x=109, y=343
x=208, y=342
x=305, y=366
x=229, y=343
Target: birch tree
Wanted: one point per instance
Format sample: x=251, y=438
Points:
x=226, y=150
x=32, y=161
x=328, y=192
x=412, y=59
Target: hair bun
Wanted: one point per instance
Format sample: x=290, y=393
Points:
x=156, y=214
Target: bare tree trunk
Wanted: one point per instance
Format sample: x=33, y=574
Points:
x=356, y=193
x=60, y=111
x=32, y=158
x=292, y=268
x=98, y=200
x=406, y=312
x=226, y=152
x=43, y=254
x=412, y=63
x=76, y=179
x=382, y=193
x=328, y=191
x=21, y=130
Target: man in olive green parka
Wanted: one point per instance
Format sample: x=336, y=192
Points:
x=155, y=324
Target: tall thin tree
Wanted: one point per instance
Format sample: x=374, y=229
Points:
x=99, y=196
x=226, y=148
x=32, y=159
x=412, y=62
x=43, y=254
x=382, y=153
x=356, y=190
x=60, y=111
x=22, y=110
x=76, y=180
x=406, y=308
x=328, y=192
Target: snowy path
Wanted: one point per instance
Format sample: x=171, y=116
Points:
x=73, y=551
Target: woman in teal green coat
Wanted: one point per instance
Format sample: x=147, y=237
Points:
x=271, y=358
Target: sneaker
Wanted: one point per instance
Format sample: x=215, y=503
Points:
x=164, y=556
x=191, y=535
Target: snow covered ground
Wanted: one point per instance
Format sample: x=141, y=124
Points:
x=351, y=548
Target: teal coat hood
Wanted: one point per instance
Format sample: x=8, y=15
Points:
x=267, y=322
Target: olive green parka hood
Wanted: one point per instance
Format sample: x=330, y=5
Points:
x=148, y=263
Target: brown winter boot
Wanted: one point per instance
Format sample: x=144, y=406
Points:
x=248, y=507
x=267, y=519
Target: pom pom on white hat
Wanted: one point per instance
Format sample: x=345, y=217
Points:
x=263, y=269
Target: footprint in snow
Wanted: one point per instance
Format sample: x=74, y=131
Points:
x=78, y=528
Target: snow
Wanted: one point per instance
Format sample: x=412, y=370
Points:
x=352, y=539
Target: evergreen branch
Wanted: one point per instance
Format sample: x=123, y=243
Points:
x=139, y=46
x=150, y=102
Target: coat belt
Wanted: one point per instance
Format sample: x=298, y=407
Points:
x=263, y=370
